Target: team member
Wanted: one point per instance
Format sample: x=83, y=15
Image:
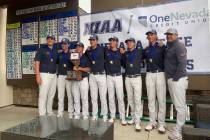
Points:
x=81, y=88
x=133, y=81
x=46, y=78
x=175, y=69
x=155, y=81
x=97, y=77
x=114, y=80
x=64, y=65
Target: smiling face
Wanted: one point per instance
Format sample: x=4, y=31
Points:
x=79, y=49
x=65, y=46
x=93, y=42
x=152, y=38
x=131, y=45
x=171, y=37
x=50, y=42
x=113, y=44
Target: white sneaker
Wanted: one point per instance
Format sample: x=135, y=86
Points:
x=94, y=118
x=51, y=114
x=85, y=117
x=60, y=115
x=70, y=116
x=130, y=122
x=105, y=118
x=175, y=136
x=162, y=129
x=76, y=117
x=150, y=127
x=124, y=122
x=111, y=120
x=137, y=127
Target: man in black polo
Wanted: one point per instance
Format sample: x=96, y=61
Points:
x=46, y=78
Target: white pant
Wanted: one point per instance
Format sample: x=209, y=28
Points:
x=177, y=91
x=134, y=92
x=156, y=88
x=62, y=85
x=80, y=90
x=47, y=91
x=116, y=83
x=98, y=82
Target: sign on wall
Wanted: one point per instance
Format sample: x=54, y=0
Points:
x=190, y=18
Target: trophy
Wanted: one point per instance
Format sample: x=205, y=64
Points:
x=74, y=75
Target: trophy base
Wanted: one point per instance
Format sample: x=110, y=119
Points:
x=74, y=76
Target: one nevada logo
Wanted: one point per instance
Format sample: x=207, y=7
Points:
x=143, y=20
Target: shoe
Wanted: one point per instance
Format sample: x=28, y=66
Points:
x=105, y=118
x=76, y=117
x=124, y=122
x=51, y=114
x=85, y=117
x=94, y=118
x=137, y=127
x=60, y=115
x=70, y=116
x=162, y=129
x=174, y=135
x=150, y=127
x=111, y=120
x=130, y=122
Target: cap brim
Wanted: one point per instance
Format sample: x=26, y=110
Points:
x=150, y=33
x=126, y=41
x=110, y=39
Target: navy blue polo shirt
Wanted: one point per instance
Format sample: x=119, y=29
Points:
x=84, y=63
x=47, y=58
x=96, y=58
x=113, y=61
x=64, y=63
x=154, y=56
x=133, y=60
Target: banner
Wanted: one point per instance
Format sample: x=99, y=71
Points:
x=190, y=18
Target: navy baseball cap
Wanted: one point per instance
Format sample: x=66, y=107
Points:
x=151, y=32
x=93, y=37
x=130, y=39
x=50, y=36
x=113, y=38
x=80, y=44
x=65, y=40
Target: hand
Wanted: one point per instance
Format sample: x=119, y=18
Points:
x=79, y=68
x=38, y=80
x=161, y=44
x=75, y=68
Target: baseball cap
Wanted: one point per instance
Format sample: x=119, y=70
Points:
x=93, y=37
x=80, y=44
x=113, y=38
x=130, y=39
x=151, y=32
x=65, y=40
x=50, y=36
x=171, y=31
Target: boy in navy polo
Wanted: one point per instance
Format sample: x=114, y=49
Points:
x=97, y=77
x=114, y=80
x=81, y=88
x=133, y=81
x=64, y=65
x=155, y=81
x=46, y=78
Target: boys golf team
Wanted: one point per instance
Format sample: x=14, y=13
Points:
x=101, y=70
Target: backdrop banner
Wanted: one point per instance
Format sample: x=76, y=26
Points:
x=190, y=18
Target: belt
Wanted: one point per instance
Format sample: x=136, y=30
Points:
x=133, y=76
x=155, y=71
x=98, y=73
x=49, y=72
x=116, y=74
